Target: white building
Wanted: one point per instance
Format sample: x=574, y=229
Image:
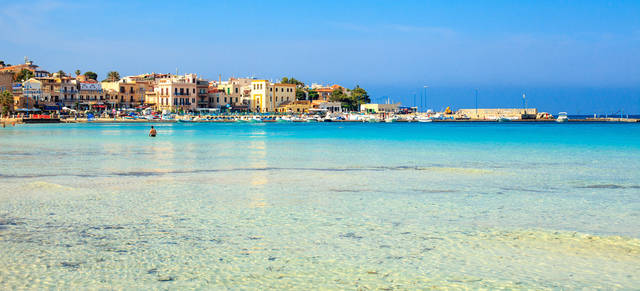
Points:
x=177, y=92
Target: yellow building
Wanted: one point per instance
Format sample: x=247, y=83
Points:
x=378, y=108
x=496, y=113
x=299, y=106
x=125, y=92
x=266, y=97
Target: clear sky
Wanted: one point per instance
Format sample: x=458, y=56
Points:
x=577, y=56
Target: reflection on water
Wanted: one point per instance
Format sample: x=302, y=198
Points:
x=319, y=206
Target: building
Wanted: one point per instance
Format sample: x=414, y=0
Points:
x=28, y=65
x=126, y=93
x=496, y=113
x=298, y=106
x=325, y=93
x=31, y=94
x=330, y=107
x=6, y=81
x=177, y=93
x=237, y=90
x=266, y=97
x=91, y=95
x=380, y=108
x=202, y=91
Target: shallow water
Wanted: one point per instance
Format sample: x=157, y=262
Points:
x=322, y=206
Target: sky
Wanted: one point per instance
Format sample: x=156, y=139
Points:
x=582, y=57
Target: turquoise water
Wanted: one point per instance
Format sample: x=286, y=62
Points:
x=320, y=206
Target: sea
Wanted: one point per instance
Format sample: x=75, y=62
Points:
x=324, y=206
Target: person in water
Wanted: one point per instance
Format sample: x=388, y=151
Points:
x=152, y=132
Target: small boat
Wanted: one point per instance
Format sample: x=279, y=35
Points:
x=503, y=119
x=424, y=119
x=562, y=117
x=390, y=119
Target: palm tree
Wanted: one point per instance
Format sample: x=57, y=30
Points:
x=6, y=102
x=78, y=73
x=61, y=73
x=113, y=76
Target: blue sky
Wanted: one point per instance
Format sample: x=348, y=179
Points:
x=576, y=56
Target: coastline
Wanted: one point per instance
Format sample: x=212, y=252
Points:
x=10, y=121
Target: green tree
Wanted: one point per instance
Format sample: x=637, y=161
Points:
x=292, y=80
x=78, y=72
x=24, y=75
x=360, y=95
x=314, y=95
x=6, y=102
x=352, y=100
x=1, y=63
x=91, y=75
x=301, y=94
x=113, y=76
x=61, y=73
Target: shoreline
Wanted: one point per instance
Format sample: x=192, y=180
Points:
x=10, y=121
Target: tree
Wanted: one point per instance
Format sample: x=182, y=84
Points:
x=301, y=94
x=113, y=76
x=61, y=73
x=78, y=73
x=352, y=101
x=360, y=95
x=1, y=63
x=24, y=75
x=292, y=80
x=91, y=75
x=6, y=102
x=314, y=95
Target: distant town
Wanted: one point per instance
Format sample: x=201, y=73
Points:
x=28, y=90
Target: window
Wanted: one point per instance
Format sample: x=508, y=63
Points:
x=236, y=90
x=194, y=91
x=225, y=99
x=121, y=89
x=218, y=100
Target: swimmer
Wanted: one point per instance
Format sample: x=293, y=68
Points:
x=152, y=132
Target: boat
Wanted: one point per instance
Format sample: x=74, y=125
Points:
x=424, y=119
x=503, y=119
x=562, y=117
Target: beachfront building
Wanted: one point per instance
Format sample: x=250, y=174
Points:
x=296, y=107
x=380, y=108
x=202, y=91
x=6, y=81
x=177, y=93
x=496, y=113
x=266, y=97
x=218, y=98
x=66, y=90
x=237, y=90
x=31, y=92
x=91, y=95
x=126, y=93
x=330, y=107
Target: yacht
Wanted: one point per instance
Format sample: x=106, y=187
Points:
x=562, y=117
